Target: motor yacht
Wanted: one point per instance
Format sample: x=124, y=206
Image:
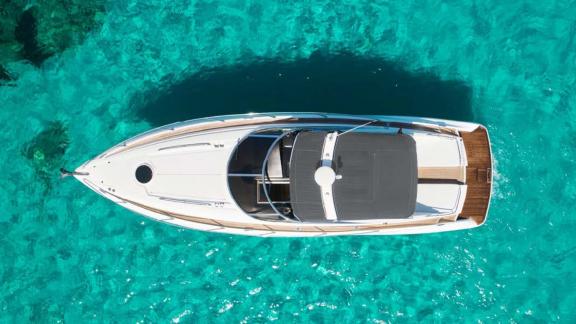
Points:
x=302, y=174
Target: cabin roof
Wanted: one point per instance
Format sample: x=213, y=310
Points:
x=379, y=176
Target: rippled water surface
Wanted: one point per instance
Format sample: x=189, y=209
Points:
x=69, y=255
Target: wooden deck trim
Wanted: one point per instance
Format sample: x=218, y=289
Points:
x=457, y=173
x=478, y=174
x=260, y=120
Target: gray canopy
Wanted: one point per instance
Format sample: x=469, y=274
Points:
x=379, y=176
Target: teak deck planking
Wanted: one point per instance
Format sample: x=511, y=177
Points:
x=478, y=174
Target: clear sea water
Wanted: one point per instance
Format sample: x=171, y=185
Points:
x=68, y=255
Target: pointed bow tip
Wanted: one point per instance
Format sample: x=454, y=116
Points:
x=65, y=173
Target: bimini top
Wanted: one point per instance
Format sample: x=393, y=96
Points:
x=376, y=177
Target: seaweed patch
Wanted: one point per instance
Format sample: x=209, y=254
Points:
x=35, y=31
x=26, y=33
x=46, y=150
x=5, y=76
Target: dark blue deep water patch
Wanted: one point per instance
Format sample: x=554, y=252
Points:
x=343, y=83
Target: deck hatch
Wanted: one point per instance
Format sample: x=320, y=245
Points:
x=143, y=174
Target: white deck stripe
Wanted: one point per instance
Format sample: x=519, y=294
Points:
x=326, y=191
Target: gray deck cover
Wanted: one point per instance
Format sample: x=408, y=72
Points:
x=379, y=176
x=304, y=191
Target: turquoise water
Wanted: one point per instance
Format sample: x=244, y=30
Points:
x=69, y=255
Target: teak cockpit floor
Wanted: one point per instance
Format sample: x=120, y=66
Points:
x=478, y=174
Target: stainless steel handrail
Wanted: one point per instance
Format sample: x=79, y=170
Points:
x=265, y=170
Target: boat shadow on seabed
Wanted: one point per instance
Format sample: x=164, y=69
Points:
x=342, y=83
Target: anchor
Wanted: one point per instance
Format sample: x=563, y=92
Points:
x=65, y=173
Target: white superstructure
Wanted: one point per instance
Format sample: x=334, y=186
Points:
x=237, y=174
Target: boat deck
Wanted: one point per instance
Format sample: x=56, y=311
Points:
x=478, y=174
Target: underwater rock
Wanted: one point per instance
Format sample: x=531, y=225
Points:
x=64, y=24
x=46, y=150
x=9, y=13
x=36, y=31
x=25, y=33
x=4, y=75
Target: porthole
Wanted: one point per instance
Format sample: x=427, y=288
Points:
x=143, y=174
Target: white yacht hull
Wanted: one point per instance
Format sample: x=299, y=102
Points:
x=190, y=185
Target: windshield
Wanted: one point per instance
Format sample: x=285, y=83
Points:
x=286, y=212
x=258, y=174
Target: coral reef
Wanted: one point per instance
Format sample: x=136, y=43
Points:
x=4, y=75
x=34, y=32
x=62, y=24
x=10, y=12
x=26, y=34
x=46, y=150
